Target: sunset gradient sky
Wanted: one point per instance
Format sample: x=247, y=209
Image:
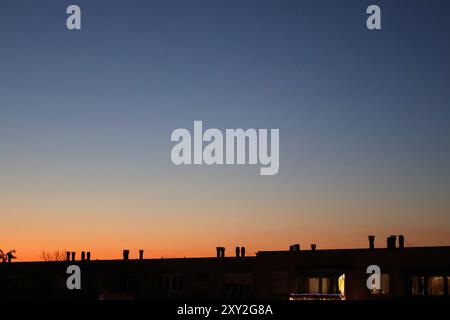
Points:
x=86, y=118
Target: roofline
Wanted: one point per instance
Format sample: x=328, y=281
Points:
x=354, y=250
x=229, y=258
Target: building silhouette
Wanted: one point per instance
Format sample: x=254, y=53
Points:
x=406, y=272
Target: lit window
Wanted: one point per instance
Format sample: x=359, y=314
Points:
x=448, y=285
x=314, y=285
x=341, y=284
x=384, y=285
x=325, y=285
x=418, y=286
x=435, y=286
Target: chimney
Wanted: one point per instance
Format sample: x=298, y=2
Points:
x=313, y=246
x=67, y=256
x=371, y=242
x=394, y=241
x=73, y=256
x=296, y=247
x=220, y=252
x=238, y=252
x=401, y=241
x=141, y=254
x=126, y=254
x=291, y=248
x=391, y=242
x=88, y=257
x=83, y=255
x=242, y=251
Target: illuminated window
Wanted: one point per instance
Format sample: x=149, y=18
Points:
x=384, y=285
x=435, y=286
x=314, y=285
x=341, y=284
x=325, y=282
x=448, y=286
x=318, y=285
x=418, y=286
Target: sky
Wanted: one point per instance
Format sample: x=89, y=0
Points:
x=86, y=118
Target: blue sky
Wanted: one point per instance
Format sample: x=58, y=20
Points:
x=363, y=115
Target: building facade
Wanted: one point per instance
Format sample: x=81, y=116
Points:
x=413, y=272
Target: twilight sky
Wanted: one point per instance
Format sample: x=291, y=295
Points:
x=86, y=118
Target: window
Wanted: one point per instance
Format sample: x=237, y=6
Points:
x=237, y=291
x=132, y=282
x=341, y=284
x=435, y=286
x=418, y=285
x=318, y=285
x=448, y=286
x=280, y=282
x=384, y=285
x=238, y=285
x=325, y=282
x=314, y=285
x=428, y=285
x=171, y=282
